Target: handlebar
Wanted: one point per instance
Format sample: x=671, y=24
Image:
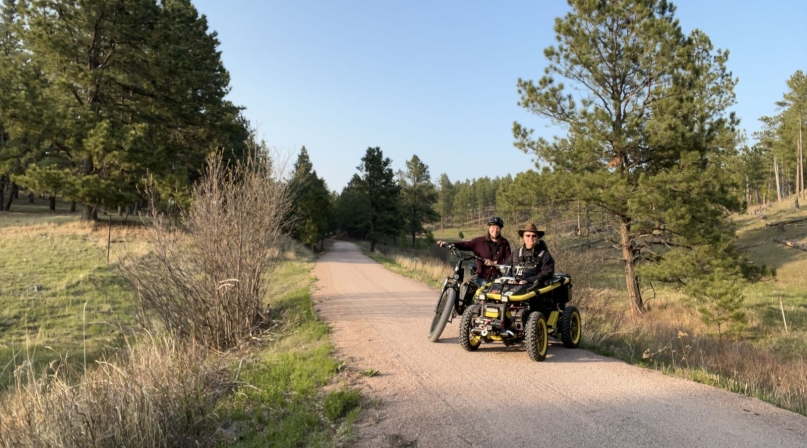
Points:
x=457, y=253
x=503, y=268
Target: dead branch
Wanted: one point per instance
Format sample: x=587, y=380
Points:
x=785, y=222
x=792, y=244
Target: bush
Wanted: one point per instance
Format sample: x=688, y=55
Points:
x=203, y=278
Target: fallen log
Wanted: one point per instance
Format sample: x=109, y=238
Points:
x=792, y=244
x=787, y=221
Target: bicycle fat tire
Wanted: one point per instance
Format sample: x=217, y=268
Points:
x=442, y=313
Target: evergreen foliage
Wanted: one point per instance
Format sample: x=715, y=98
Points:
x=650, y=139
x=352, y=209
x=418, y=197
x=311, y=207
x=369, y=205
x=106, y=91
x=445, y=198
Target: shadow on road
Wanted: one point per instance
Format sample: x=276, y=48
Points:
x=557, y=352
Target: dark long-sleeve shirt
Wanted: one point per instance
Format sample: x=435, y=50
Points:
x=538, y=263
x=482, y=246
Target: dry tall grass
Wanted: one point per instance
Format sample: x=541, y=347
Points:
x=154, y=394
x=203, y=277
x=670, y=343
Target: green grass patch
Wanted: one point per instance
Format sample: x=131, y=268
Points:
x=453, y=234
x=58, y=298
x=284, y=402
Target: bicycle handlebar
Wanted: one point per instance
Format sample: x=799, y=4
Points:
x=458, y=253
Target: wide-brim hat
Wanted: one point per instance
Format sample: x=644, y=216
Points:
x=531, y=228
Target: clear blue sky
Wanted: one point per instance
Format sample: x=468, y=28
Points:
x=437, y=79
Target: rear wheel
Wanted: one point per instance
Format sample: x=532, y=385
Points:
x=441, y=314
x=536, y=337
x=468, y=340
x=570, y=327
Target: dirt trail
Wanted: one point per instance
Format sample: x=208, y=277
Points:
x=438, y=395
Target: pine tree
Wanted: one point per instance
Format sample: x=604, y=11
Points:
x=650, y=138
x=311, y=208
x=445, y=199
x=794, y=114
x=9, y=78
x=115, y=89
x=377, y=183
x=352, y=209
x=418, y=197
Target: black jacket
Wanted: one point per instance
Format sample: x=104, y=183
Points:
x=539, y=266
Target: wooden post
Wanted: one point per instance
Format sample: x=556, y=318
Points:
x=108, y=238
x=782, y=307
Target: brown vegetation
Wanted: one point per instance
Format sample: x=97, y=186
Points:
x=155, y=393
x=203, y=277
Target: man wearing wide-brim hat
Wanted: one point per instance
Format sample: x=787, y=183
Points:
x=534, y=256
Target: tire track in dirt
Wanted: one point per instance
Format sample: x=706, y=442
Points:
x=438, y=395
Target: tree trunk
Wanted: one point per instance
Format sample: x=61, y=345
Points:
x=2, y=192
x=372, y=235
x=747, y=194
x=776, y=175
x=30, y=198
x=631, y=280
x=413, y=241
x=88, y=213
x=11, y=195
x=52, y=203
x=73, y=207
x=800, y=177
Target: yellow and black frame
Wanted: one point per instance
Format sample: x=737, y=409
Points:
x=529, y=314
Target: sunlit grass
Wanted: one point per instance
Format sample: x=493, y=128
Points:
x=58, y=295
x=289, y=401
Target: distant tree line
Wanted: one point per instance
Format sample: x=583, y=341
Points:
x=774, y=166
x=652, y=158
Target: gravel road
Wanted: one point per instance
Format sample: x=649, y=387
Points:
x=438, y=395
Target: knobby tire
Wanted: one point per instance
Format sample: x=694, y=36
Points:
x=443, y=312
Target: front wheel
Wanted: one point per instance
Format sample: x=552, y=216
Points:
x=536, y=338
x=469, y=341
x=441, y=314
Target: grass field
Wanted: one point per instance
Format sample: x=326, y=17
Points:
x=58, y=295
x=59, y=298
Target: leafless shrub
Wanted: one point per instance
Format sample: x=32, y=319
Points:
x=154, y=394
x=203, y=277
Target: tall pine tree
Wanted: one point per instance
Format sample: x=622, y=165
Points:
x=418, y=197
x=118, y=88
x=311, y=207
x=377, y=183
x=649, y=138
